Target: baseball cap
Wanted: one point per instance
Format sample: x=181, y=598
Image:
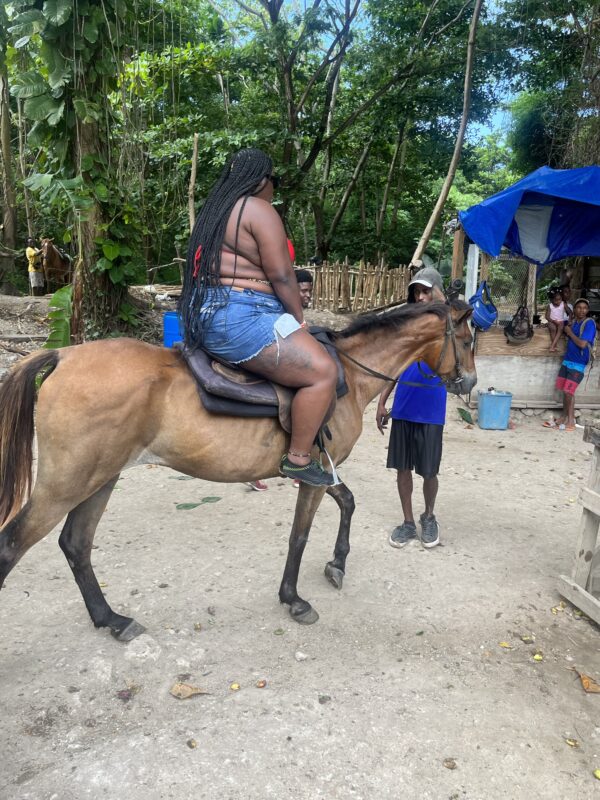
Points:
x=429, y=277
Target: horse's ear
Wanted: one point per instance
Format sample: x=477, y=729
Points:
x=463, y=315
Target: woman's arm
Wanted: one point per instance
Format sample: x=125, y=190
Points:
x=267, y=229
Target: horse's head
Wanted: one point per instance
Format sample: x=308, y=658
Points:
x=455, y=362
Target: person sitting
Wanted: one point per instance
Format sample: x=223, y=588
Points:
x=305, y=285
x=565, y=293
x=555, y=314
x=240, y=302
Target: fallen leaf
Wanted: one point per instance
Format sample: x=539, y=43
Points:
x=278, y=631
x=184, y=690
x=528, y=638
x=192, y=744
x=572, y=742
x=181, y=478
x=235, y=687
x=197, y=626
x=505, y=645
x=186, y=506
x=596, y=774
x=210, y=499
x=450, y=763
x=419, y=633
x=465, y=415
x=589, y=684
x=261, y=684
x=538, y=657
x=102, y=584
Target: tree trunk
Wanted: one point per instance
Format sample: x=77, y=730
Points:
x=435, y=214
x=349, y=189
x=396, y=208
x=23, y=167
x=192, y=186
x=9, y=214
x=96, y=299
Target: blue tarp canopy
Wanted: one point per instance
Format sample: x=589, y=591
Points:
x=549, y=215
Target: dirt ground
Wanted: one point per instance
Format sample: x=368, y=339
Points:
x=401, y=690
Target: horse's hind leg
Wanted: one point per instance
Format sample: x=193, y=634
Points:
x=335, y=570
x=308, y=501
x=76, y=543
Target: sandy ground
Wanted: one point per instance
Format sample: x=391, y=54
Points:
x=401, y=690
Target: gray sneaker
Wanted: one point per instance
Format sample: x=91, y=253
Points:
x=430, y=531
x=403, y=534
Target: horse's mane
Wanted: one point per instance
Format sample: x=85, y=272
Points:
x=397, y=318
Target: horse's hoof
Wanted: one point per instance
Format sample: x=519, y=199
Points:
x=129, y=632
x=334, y=575
x=304, y=614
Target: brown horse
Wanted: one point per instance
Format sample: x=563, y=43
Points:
x=108, y=405
x=56, y=266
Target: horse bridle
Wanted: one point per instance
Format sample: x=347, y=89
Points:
x=450, y=335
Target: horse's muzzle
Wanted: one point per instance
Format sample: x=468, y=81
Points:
x=463, y=384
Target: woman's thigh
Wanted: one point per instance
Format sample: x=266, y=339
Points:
x=296, y=361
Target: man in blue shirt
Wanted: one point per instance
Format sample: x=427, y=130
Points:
x=418, y=416
x=581, y=334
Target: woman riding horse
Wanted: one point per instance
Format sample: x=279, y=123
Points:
x=241, y=303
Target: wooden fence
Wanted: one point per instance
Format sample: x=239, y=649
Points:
x=342, y=287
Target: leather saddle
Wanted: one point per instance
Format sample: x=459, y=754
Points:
x=233, y=391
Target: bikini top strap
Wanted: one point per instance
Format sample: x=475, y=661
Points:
x=237, y=233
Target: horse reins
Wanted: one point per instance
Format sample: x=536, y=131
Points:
x=450, y=333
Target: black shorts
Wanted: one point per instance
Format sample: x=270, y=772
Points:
x=415, y=445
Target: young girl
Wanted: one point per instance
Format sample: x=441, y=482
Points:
x=555, y=314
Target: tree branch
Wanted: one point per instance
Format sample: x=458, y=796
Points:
x=435, y=214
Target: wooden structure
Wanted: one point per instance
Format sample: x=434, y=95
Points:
x=363, y=287
x=578, y=589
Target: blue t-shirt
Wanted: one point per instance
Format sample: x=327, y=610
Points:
x=416, y=404
x=581, y=355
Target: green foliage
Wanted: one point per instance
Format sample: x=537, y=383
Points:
x=113, y=92
x=59, y=318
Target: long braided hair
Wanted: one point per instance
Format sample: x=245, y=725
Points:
x=240, y=177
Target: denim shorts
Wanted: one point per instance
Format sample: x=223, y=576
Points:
x=243, y=324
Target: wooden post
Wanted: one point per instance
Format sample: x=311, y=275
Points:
x=336, y=287
x=531, y=288
x=472, y=270
x=484, y=266
x=458, y=254
x=358, y=286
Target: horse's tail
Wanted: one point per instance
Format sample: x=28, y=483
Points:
x=17, y=401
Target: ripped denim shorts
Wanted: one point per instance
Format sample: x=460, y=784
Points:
x=245, y=323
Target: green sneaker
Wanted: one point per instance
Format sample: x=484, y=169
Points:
x=311, y=473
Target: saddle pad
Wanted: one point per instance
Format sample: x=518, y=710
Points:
x=233, y=391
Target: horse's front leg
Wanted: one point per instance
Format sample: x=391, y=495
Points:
x=309, y=499
x=336, y=569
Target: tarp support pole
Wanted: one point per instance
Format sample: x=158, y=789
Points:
x=531, y=304
x=458, y=254
x=472, y=271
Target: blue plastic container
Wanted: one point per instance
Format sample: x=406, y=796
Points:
x=494, y=410
x=171, y=328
